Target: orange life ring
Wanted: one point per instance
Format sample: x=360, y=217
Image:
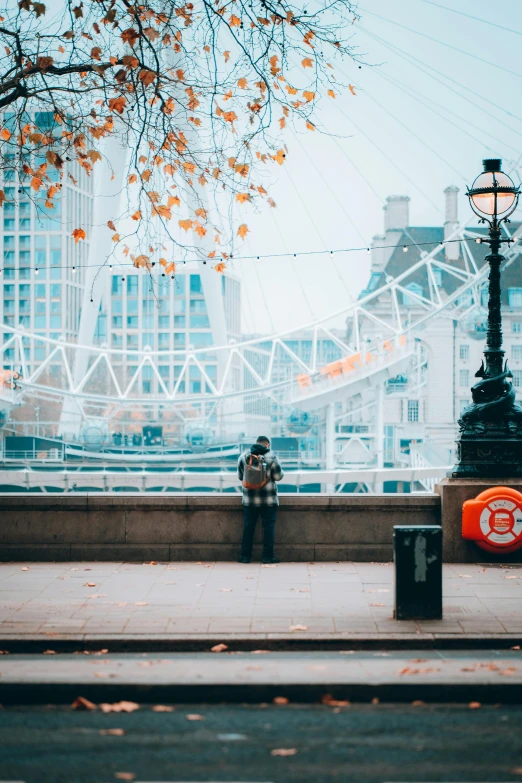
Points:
x=493, y=520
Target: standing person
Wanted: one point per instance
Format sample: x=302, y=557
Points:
x=258, y=470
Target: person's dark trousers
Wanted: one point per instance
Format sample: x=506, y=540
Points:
x=268, y=517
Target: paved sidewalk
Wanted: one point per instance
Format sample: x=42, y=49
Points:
x=125, y=601
x=182, y=677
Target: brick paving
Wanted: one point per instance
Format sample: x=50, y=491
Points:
x=189, y=600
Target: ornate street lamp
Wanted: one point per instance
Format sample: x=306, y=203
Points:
x=490, y=443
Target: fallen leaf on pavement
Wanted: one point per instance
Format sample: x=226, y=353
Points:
x=120, y=706
x=162, y=708
x=474, y=705
x=124, y=775
x=516, y=647
x=509, y=672
x=299, y=628
x=98, y=595
x=280, y=700
x=49, y=652
x=122, y=603
x=283, y=752
x=153, y=562
x=465, y=576
x=377, y=604
x=219, y=648
x=82, y=704
x=260, y=652
x=25, y=568
x=412, y=670
x=329, y=700
x=113, y=732
x=89, y=584
x=375, y=700
x=267, y=565
x=417, y=703
x=141, y=603
x=193, y=716
x=418, y=660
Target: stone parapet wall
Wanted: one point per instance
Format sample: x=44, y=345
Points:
x=202, y=526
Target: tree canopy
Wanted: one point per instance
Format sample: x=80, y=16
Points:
x=199, y=93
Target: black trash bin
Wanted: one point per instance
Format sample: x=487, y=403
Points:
x=417, y=553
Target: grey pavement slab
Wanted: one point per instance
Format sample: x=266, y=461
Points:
x=92, y=601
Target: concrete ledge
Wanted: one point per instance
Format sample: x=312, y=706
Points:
x=202, y=526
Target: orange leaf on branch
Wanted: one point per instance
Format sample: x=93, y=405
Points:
x=220, y=267
x=78, y=234
x=307, y=62
x=186, y=225
x=242, y=230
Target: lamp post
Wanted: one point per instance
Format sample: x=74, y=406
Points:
x=490, y=443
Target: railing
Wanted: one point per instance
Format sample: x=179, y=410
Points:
x=33, y=455
x=193, y=481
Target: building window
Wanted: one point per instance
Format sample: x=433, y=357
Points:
x=416, y=289
x=132, y=284
x=117, y=321
x=163, y=322
x=515, y=297
x=195, y=284
x=116, y=286
x=464, y=378
x=463, y=404
x=517, y=352
x=132, y=321
x=413, y=410
x=517, y=378
x=516, y=326
x=464, y=352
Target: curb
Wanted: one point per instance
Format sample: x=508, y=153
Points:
x=12, y=694
x=273, y=642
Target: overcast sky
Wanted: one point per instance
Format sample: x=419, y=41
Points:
x=408, y=130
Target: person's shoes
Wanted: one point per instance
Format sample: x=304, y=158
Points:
x=244, y=559
x=270, y=560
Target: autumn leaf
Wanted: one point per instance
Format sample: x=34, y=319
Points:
x=283, y=752
x=78, y=234
x=234, y=21
x=120, y=706
x=279, y=157
x=136, y=215
x=219, y=648
x=80, y=703
x=242, y=83
x=117, y=104
x=173, y=201
x=132, y=178
x=199, y=229
x=242, y=230
x=5, y=134
x=226, y=55
x=307, y=62
x=186, y=225
x=220, y=267
x=352, y=89
x=195, y=716
x=163, y=708
x=310, y=125
x=2, y=198
x=111, y=225
x=242, y=197
x=308, y=95
x=331, y=93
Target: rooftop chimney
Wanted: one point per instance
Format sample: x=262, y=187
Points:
x=451, y=222
x=396, y=213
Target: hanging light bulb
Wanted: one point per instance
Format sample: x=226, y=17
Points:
x=36, y=271
x=405, y=248
x=74, y=270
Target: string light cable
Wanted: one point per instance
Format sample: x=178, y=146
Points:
x=261, y=256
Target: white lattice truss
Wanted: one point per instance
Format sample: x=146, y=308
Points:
x=306, y=385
